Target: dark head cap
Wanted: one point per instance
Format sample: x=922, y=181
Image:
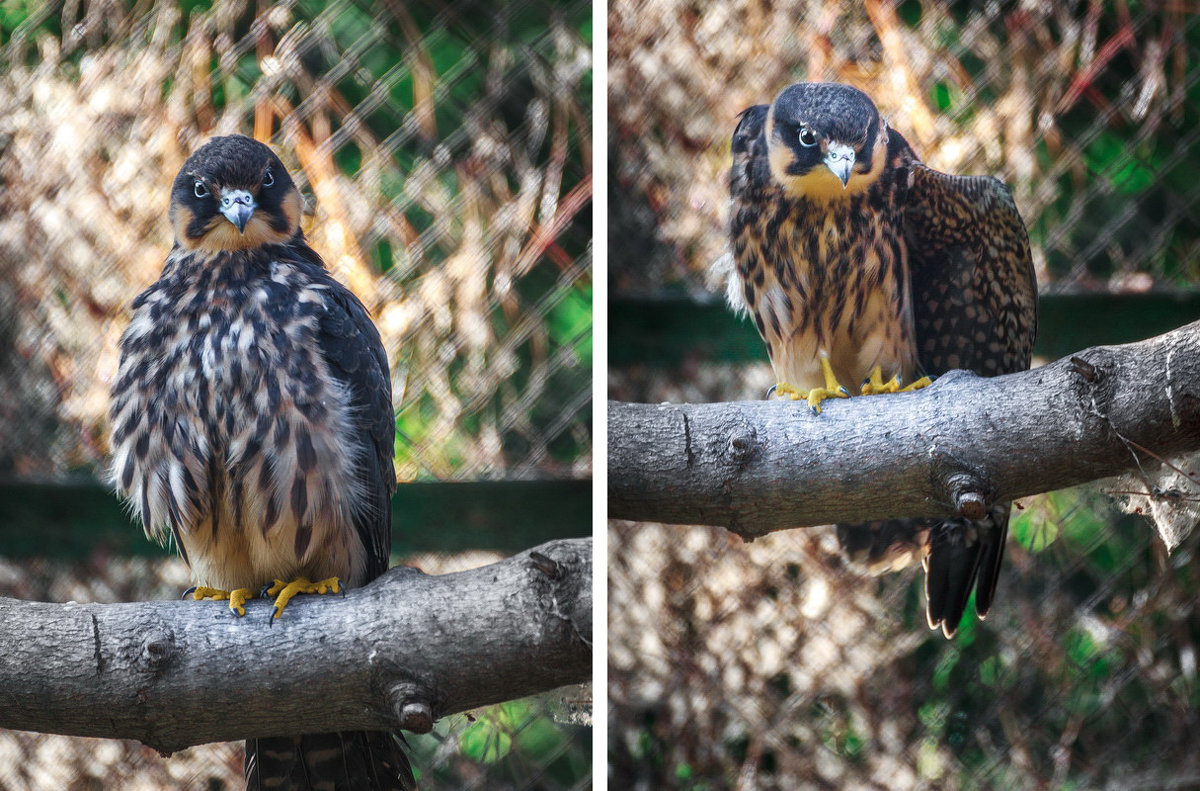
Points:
x=838, y=112
x=232, y=161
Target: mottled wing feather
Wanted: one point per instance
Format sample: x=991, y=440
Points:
x=751, y=165
x=974, y=308
x=974, y=291
x=354, y=352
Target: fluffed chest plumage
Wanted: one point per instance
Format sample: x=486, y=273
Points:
x=230, y=423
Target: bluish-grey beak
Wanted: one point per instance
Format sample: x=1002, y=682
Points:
x=237, y=206
x=839, y=158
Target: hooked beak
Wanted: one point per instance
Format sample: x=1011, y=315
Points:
x=237, y=206
x=840, y=159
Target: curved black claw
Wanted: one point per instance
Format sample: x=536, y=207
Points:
x=770, y=391
x=187, y=593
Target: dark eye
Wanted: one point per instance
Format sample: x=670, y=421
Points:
x=808, y=137
x=200, y=190
x=268, y=179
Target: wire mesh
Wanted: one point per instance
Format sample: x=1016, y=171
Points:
x=443, y=149
x=776, y=664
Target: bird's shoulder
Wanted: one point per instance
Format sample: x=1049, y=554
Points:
x=344, y=330
x=971, y=270
x=901, y=157
x=751, y=170
x=946, y=209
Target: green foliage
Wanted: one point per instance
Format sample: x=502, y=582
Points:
x=26, y=19
x=488, y=740
x=1033, y=531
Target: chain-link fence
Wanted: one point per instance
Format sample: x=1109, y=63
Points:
x=776, y=665
x=443, y=149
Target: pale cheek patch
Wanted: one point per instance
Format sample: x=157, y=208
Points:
x=181, y=217
x=780, y=156
x=291, y=211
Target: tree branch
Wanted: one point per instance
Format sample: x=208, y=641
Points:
x=952, y=448
x=400, y=652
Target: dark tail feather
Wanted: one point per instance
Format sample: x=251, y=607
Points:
x=344, y=761
x=963, y=556
x=950, y=569
x=991, y=558
x=958, y=556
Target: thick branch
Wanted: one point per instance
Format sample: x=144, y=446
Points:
x=966, y=441
x=400, y=652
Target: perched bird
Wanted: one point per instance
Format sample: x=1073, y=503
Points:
x=861, y=265
x=252, y=423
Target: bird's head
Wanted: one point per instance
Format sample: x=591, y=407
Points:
x=825, y=141
x=233, y=193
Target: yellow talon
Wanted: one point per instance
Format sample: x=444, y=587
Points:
x=786, y=390
x=874, y=384
x=815, y=396
x=237, y=597
x=924, y=381
x=284, y=591
x=819, y=394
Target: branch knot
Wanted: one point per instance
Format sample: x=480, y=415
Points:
x=158, y=649
x=968, y=495
x=743, y=442
x=411, y=707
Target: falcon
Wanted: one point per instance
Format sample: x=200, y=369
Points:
x=858, y=265
x=252, y=425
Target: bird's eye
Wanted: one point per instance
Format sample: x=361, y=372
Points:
x=200, y=190
x=268, y=179
x=808, y=137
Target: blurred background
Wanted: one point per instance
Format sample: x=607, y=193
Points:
x=775, y=665
x=444, y=150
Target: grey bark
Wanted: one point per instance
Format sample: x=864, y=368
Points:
x=951, y=448
x=398, y=653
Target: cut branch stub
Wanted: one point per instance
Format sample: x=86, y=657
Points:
x=743, y=442
x=158, y=649
x=968, y=494
x=547, y=566
x=416, y=716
